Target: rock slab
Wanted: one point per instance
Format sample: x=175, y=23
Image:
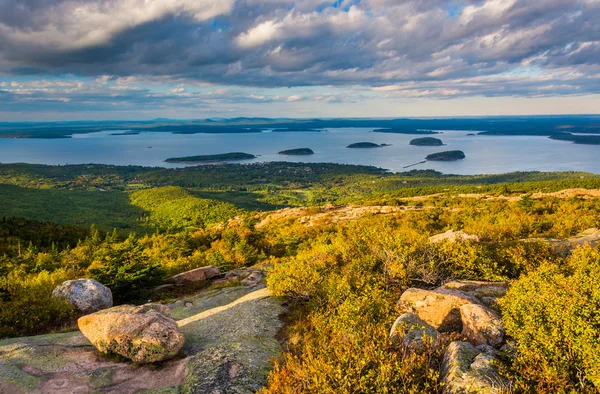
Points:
x=481, y=326
x=467, y=369
x=143, y=334
x=86, y=295
x=410, y=332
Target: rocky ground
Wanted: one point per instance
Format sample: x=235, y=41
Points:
x=230, y=341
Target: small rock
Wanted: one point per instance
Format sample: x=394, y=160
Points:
x=439, y=308
x=196, y=275
x=86, y=295
x=481, y=326
x=470, y=370
x=453, y=236
x=144, y=334
x=413, y=333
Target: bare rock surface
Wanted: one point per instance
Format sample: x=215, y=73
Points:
x=481, y=326
x=453, y=236
x=86, y=295
x=143, y=334
x=230, y=342
x=411, y=332
x=590, y=236
x=486, y=292
x=439, y=308
x=467, y=369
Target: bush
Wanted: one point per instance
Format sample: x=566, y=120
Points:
x=338, y=341
x=27, y=306
x=554, y=315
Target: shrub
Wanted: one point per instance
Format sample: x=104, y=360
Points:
x=27, y=306
x=554, y=315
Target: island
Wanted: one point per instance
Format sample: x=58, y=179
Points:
x=296, y=130
x=365, y=145
x=405, y=131
x=471, y=134
x=297, y=152
x=426, y=141
x=450, y=155
x=233, y=156
x=127, y=133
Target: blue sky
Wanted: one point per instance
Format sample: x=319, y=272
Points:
x=142, y=59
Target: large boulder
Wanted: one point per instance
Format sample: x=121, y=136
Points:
x=196, y=275
x=467, y=369
x=144, y=334
x=439, y=308
x=86, y=295
x=481, y=326
x=410, y=332
x=453, y=236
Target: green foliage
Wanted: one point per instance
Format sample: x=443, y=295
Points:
x=554, y=315
x=26, y=303
x=123, y=268
x=174, y=208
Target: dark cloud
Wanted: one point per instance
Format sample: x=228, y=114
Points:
x=510, y=47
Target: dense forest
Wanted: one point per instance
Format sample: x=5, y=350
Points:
x=132, y=227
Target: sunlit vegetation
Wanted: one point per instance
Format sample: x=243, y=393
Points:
x=342, y=277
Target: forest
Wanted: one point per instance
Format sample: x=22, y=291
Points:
x=132, y=227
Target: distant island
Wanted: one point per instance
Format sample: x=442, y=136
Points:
x=450, y=155
x=405, y=131
x=233, y=156
x=297, y=152
x=127, y=133
x=426, y=141
x=296, y=130
x=578, y=139
x=366, y=145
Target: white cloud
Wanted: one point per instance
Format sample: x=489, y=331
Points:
x=76, y=24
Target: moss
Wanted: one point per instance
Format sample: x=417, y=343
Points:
x=98, y=378
x=13, y=374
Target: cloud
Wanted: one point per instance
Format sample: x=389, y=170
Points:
x=398, y=48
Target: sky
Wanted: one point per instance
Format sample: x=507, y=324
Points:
x=145, y=59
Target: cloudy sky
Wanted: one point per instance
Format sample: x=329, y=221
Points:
x=142, y=59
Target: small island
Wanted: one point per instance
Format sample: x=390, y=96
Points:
x=127, y=133
x=296, y=130
x=426, y=141
x=450, y=155
x=233, y=156
x=297, y=152
x=365, y=145
x=405, y=131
